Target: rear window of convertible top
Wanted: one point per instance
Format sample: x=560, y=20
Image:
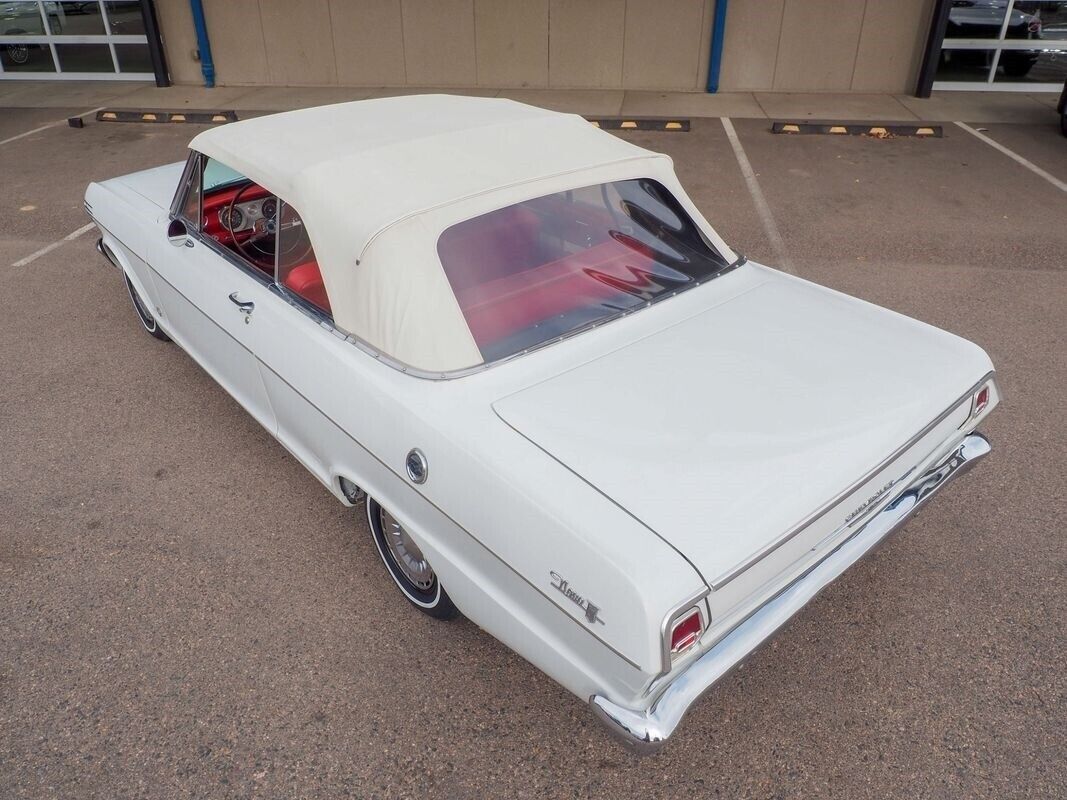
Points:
x=541, y=269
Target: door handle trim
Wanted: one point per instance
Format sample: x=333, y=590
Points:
x=244, y=306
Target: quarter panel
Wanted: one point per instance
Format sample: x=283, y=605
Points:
x=492, y=594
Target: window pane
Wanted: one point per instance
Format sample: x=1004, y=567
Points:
x=239, y=214
x=534, y=271
x=298, y=271
x=216, y=175
x=75, y=19
x=976, y=19
x=125, y=17
x=1032, y=66
x=84, y=58
x=20, y=17
x=964, y=65
x=26, y=58
x=133, y=58
x=1033, y=20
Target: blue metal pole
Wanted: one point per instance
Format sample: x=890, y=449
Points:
x=207, y=66
x=718, y=34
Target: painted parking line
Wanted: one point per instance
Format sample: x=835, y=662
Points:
x=785, y=263
x=1030, y=165
x=70, y=237
x=46, y=127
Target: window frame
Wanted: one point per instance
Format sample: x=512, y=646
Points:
x=420, y=373
x=682, y=211
x=196, y=160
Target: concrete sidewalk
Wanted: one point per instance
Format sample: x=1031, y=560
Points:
x=943, y=106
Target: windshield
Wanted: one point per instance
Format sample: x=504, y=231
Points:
x=537, y=270
x=217, y=174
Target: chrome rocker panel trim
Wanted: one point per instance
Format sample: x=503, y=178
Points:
x=647, y=730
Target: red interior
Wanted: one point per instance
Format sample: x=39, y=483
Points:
x=304, y=280
x=505, y=273
x=219, y=200
x=502, y=307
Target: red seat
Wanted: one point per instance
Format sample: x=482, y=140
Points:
x=305, y=281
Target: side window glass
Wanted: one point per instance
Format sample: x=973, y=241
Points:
x=191, y=206
x=297, y=268
x=240, y=215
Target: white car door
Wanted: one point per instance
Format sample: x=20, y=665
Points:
x=214, y=306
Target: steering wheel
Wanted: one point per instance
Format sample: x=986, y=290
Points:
x=255, y=247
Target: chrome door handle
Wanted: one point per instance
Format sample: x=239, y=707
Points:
x=244, y=306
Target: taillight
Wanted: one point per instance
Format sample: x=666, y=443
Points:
x=686, y=631
x=981, y=400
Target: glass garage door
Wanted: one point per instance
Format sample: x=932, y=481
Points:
x=1012, y=45
x=64, y=39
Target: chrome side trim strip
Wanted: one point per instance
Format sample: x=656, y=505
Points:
x=647, y=730
x=759, y=555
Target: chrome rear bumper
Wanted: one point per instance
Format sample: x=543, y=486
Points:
x=647, y=730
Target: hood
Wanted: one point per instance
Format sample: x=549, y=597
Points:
x=723, y=431
x=157, y=185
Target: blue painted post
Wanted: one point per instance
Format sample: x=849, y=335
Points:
x=718, y=34
x=203, y=44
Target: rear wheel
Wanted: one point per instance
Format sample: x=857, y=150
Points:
x=144, y=313
x=407, y=565
x=18, y=53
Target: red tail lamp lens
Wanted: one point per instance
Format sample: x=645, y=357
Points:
x=686, y=632
x=981, y=400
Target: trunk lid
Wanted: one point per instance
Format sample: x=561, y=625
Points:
x=727, y=430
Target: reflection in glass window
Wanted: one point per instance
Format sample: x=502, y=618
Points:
x=75, y=19
x=965, y=65
x=125, y=18
x=1034, y=66
x=19, y=18
x=977, y=19
x=537, y=270
x=18, y=57
x=133, y=57
x=84, y=58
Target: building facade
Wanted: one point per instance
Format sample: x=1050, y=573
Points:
x=764, y=45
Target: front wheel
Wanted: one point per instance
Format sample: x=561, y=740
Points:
x=407, y=565
x=144, y=312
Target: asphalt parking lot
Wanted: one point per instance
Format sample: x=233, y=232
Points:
x=185, y=612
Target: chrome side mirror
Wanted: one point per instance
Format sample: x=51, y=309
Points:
x=178, y=234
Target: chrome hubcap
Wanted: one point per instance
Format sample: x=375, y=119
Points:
x=143, y=308
x=405, y=553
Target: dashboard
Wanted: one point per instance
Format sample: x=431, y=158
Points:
x=256, y=204
x=244, y=216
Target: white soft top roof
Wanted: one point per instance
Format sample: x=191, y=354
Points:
x=383, y=160
x=376, y=182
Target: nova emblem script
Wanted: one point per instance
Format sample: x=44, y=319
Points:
x=874, y=498
x=560, y=584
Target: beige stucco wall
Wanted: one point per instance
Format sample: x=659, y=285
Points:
x=824, y=45
x=771, y=45
x=492, y=43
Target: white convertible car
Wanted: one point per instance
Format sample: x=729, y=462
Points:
x=578, y=417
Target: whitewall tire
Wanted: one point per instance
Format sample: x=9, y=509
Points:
x=407, y=566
